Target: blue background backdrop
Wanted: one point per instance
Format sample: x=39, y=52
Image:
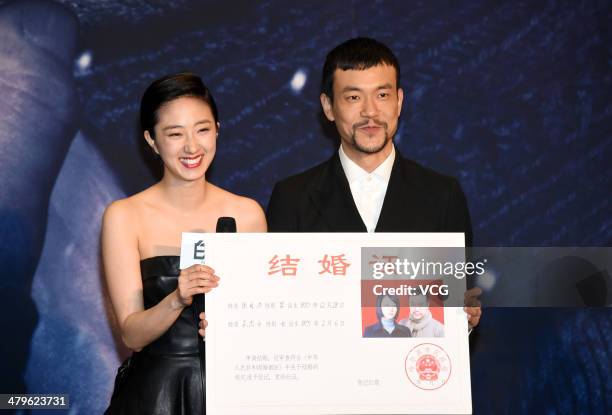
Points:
x=513, y=98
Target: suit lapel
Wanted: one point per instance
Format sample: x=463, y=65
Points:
x=396, y=210
x=334, y=201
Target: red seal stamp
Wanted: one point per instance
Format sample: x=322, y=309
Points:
x=428, y=366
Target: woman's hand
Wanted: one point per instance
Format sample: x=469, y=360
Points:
x=197, y=279
x=203, y=324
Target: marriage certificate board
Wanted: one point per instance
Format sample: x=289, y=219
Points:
x=302, y=323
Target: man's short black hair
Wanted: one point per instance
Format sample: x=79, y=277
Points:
x=357, y=54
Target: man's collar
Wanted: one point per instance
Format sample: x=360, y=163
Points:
x=353, y=172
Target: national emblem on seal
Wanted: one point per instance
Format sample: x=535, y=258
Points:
x=428, y=366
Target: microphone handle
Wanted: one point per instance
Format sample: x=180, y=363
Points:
x=224, y=225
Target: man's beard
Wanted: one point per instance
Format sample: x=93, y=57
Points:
x=369, y=150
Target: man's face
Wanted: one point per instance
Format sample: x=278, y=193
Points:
x=418, y=307
x=366, y=108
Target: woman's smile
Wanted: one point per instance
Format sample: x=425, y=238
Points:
x=191, y=162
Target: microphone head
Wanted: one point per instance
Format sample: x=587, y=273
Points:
x=226, y=224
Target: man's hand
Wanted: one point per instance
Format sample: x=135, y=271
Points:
x=472, y=306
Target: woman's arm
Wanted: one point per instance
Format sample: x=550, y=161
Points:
x=121, y=259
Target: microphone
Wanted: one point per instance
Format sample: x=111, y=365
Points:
x=225, y=224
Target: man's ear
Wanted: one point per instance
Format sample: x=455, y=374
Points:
x=150, y=141
x=326, y=104
x=400, y=100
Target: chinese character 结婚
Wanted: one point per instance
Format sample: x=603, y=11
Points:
x=334, y=265
x=287, y=266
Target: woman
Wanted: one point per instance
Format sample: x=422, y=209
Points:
x=141, y=237
x=387, y=311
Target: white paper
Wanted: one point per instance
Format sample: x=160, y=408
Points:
x=293, y=344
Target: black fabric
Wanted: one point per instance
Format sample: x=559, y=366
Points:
x=377, y=330
x=166, y=377
x=417, y=200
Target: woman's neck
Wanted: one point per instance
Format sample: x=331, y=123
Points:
x=185, y=195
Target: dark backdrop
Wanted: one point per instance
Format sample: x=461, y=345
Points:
x=513, y=98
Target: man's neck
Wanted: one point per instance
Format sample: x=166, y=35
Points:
x=368, y=161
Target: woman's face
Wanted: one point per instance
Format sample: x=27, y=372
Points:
x=185, y=137
x=388, y=308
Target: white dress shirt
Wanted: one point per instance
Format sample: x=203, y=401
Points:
x=368, y=189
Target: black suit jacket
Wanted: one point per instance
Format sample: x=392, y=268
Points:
x=417, y=200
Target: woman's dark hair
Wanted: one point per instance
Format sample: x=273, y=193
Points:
x=359, y=54
x=379, y=301
x=168, y=88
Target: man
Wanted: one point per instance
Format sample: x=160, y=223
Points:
x=367, y=185
x=420, y=321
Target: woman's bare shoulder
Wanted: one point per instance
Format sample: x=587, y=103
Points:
x=129, y=208
x=248, y=213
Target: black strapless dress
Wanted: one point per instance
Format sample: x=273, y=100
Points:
x=166, y=377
